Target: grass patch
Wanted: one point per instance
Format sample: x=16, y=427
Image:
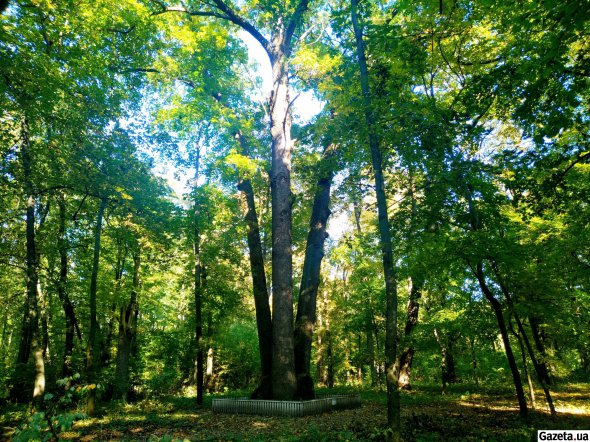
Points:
x=461, y=413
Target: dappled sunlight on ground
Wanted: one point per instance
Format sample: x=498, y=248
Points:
x=426, y=415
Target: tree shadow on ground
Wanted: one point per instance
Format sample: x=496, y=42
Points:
x=467, y=417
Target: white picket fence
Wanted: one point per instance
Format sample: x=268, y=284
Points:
x=286, y=408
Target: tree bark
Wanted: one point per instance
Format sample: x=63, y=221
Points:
x=310, y=279
x=30, y=339
x=407, y=355
x=497, y=307
x=259, y=287
x=505, y=339
x=198, y=289
x=92, y=349
x=391, y=368
x=127, y=334
x=122, y=250
x=279, y=49
x=62, y=292
x=283, y=362
x=370, y=332
x=471, y=342
x=543, y=371
x=524, y=364
x=541, y=374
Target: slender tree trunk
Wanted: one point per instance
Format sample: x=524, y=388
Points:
x=321, y=344
x=209, y=371
x=329, y=357
x=370, y=328
x=30, y=339
x=5, y=343
x=471, y=342
x=92, y=350
x=44, y=329
x=448, y=374
x=284, y=382
x=310, y=279
x=537, y=366
x=543, y=371
x=505, y=339
x=407, y=355
x=391, y=368
x=259, y=287
x=122, y=251
x=199, y=362
x=62, y=292
x=33, y=278
x=127, y=334
x=497, y=307
x=541, y=374
x=370, y=333
x=524, y=364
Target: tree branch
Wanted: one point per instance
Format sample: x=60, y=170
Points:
x=183, y=10
x=296, y=19
x=227, y=13
x=246, y=26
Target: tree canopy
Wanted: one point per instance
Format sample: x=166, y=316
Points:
x=428, y=220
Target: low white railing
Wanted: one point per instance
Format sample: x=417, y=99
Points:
x=286, y=408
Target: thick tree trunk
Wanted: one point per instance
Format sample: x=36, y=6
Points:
x=127, y=335
x=310, y=279
x=284, y=382
x=505, y=339
x=407, y=355
x=92, y=350
x=259, y=287
x=391, y=368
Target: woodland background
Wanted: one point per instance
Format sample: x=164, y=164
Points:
x=450, y=156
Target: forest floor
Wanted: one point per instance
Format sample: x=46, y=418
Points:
x=427, y=415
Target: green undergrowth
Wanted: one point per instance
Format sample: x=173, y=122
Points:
x=462, y=412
